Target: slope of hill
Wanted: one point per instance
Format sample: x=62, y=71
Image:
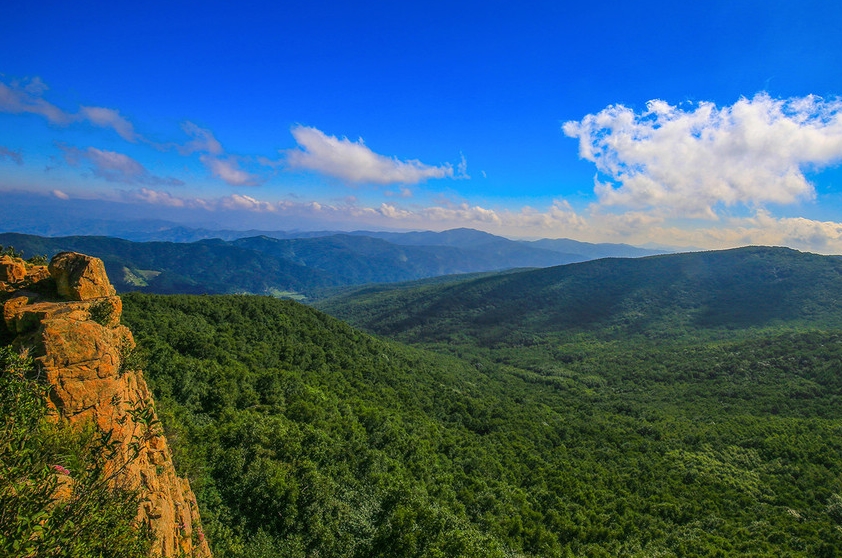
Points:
x=303, y=437
x=659, y=296
x=470, y=238
x=593, y=251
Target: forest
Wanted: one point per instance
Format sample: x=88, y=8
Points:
x=304, y=436
x=637, y=411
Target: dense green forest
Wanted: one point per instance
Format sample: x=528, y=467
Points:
x=303, y=436
x=686, y=405
x=677, y=296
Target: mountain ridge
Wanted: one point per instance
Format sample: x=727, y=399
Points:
x=292, y=266
x=742, y=287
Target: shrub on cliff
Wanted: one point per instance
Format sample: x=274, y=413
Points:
x=56, y=497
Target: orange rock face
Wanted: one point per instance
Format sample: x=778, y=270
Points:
x=16, y=273
x=12, y=270
x=81, y=347
x=80, y=277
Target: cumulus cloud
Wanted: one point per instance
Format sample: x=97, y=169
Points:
x=796, y=232
x=114, y=167
x=355, y=162
x=689, y=161
x=14, y=156
x=234, y=202
x=463, y=213
x=557, y=221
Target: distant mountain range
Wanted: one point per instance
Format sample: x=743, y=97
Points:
x=300, y=264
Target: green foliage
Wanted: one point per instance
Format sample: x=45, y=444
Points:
x=102, y=312
x=10, y=251
x=40, y=459
x=34, y=260
x=661, y=298
x=303, y=436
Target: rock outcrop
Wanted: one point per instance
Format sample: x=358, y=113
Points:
x=81, y=347
x=16, y=273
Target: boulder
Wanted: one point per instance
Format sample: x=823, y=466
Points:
x=35, y=273
x=80, y=277
x=12, y=270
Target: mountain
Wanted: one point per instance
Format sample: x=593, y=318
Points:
x=45, y=215
x=210, y=266
x=286, y=267
x=666, y=295
x=590, y=251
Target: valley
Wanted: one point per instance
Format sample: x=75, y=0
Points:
x=675, y=405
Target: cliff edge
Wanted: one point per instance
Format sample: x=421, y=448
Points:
x=67, y=316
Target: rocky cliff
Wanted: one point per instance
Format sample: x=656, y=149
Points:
x=68, y=317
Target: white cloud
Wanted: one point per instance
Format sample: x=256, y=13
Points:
x=155, y=197
x=60, y=195
x=35, y=86
x=796, y=232
x=203, y=141
x=392, y=212
x=355, y=162
x=229, y=171
x=462, y=168
x=247, y=203
x=109, y=118
x=687, y=162
x=226, y=168
x=462, y=213
x=557, y=221
x=115, y=167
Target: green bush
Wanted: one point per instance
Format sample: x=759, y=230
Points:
x=40, y=458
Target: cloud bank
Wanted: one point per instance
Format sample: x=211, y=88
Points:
x=355, y=162
x=686, y=162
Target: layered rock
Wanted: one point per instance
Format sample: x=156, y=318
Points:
x=81, y=347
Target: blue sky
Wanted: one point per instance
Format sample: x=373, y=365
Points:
x=694, y=124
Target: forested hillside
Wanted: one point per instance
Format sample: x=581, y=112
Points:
x=292, y=267
x=303, y=436
x=659, y=297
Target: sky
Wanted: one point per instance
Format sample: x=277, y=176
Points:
x=708, y=124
